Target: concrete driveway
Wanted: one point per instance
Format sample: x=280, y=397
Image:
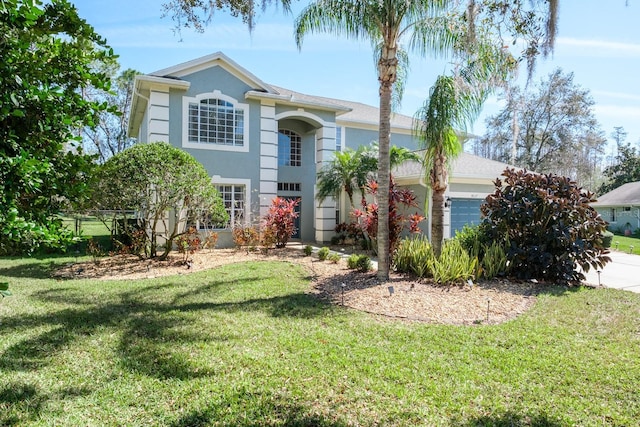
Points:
x=623, y=272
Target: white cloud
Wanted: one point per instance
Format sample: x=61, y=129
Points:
x=617, y=111
x=617, y=95
x=600, y=47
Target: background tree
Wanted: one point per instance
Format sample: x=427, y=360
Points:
x=198, y=13
x=109, y=136
x=49, y=56
x=557, y=130
x=166, y=186
x=625, y=169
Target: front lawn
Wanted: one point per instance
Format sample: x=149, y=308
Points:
x=624, y=244
x=244, y=345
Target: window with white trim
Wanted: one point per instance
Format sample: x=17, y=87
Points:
x=338, y=138
x=216, y=121
x=233, y=196
x=289, y=148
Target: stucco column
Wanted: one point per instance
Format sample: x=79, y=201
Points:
x=158, y=114
x=268, y=155
x=325, y=218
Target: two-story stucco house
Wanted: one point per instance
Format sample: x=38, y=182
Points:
x=258, y=141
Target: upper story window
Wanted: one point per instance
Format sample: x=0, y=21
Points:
x=289, y=148
x=215, y=121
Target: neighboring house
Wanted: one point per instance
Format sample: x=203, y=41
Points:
x=621, y=208
x=259, y=141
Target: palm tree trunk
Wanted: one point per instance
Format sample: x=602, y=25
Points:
x=387, y=67
x=439, y=186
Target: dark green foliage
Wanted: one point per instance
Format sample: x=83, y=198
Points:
x=491, y=255
x=351, y=231
x=49, y=56
x=625, y=170
x=4, y=289
x=307, y=250
x=607, y=238
x=548, y=225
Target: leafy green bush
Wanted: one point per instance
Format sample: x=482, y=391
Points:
x=454, y=265
x=352, y=261
x=334, y=258
x=323, y=253
x=548, y=224
x=307, y=250
x=413, y=255
x=472, y=238
x=607, y=238
x=359, y=262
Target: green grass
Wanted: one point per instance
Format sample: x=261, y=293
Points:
x=249, y=347
x=623, y=244
x=90, y=226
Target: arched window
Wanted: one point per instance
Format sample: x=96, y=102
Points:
x=216, y=121
x=289, y=148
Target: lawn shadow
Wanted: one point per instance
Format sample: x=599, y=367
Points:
x=146, y=325
x=255, y=409
x=19, y=401
x=507, y=419
x=33, y=270
x=331, y=289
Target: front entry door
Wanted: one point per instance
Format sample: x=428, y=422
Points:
x=296, y=222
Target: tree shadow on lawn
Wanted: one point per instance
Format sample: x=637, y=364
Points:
x=507, y=419
x=19, y=402
x=33, y=270
x=255, y=409
x=147, y=328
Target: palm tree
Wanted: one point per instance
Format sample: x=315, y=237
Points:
x=449, y=106
x=383, y=23
x=348, y=170
x=428, y=28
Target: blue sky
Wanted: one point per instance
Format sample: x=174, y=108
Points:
x=599, y=41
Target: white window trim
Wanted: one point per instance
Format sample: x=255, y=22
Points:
x=186, y=100
x=218, y=180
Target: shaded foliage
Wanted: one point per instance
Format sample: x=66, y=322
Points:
x=548, y=225
x=626, y=169
x=49, y=56
x=166, y=186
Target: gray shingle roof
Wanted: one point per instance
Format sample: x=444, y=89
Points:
x=467, y=165
x=360, y=113
x=625, y=195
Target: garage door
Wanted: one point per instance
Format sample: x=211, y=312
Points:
x=464, y=211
